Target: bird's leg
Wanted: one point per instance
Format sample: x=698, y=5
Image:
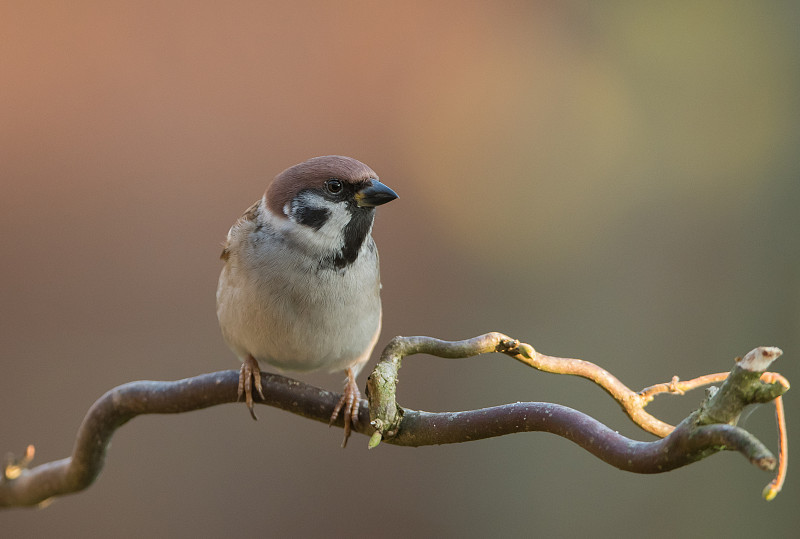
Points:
x=350, y=401
x=249, y=372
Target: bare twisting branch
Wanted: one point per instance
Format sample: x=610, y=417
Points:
x=746, y=384
x=703, y=433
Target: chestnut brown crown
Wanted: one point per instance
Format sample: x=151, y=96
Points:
x=313, y=174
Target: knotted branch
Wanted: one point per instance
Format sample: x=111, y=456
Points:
x=701, y=434
x=746, y=384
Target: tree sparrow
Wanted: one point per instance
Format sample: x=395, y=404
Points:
x=300, y=288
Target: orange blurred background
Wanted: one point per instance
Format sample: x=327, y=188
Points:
x=612, y=181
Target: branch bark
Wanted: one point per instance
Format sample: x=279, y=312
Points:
x=692, y=440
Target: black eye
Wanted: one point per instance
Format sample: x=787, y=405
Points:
x=333, y=186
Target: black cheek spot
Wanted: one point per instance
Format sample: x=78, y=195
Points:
x=313, y=217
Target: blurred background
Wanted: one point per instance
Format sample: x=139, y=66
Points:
x=614, y=181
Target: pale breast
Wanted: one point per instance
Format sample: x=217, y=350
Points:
x=291, y=313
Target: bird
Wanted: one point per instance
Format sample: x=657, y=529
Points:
x=300, y=286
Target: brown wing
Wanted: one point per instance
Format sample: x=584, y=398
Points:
x=249, y=215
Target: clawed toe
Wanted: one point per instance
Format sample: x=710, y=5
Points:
x=249, y=373
x=350, y=401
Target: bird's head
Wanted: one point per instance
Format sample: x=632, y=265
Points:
x=330, y=202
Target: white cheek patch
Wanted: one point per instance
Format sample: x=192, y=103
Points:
x=327, y=238
x=339, y=217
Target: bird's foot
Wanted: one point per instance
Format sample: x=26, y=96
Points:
x=350, y=402
x=249, y=373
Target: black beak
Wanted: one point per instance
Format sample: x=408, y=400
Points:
x=374, y=194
